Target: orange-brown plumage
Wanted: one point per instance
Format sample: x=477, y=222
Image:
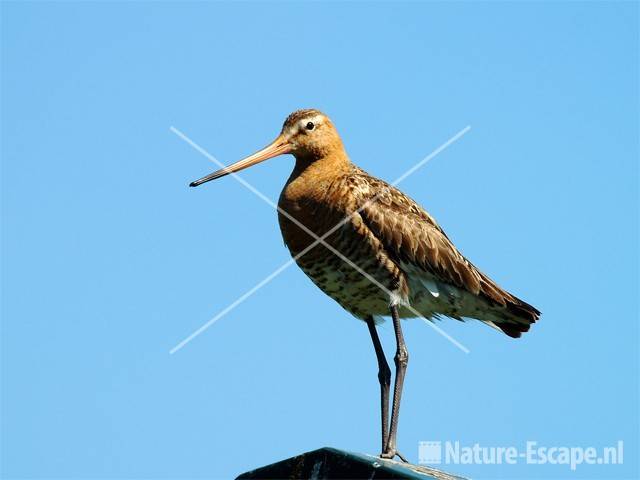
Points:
x=374, y=250
x=388, y=235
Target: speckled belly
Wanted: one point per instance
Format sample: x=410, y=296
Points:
x=352, y=290
x=361, y=295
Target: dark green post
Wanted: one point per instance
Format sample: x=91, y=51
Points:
x=330, y=463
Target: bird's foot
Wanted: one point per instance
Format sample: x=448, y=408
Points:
x=390, y=454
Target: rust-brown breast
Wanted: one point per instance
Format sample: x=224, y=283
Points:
x=320, y=197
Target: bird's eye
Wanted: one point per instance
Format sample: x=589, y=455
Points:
x=310, y=126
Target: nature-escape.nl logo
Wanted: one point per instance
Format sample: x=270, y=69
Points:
x=448, y=452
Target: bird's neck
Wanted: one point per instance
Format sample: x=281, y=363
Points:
x=333, y=162
x=312, y=174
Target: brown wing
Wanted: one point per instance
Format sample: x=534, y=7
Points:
x=411, y=235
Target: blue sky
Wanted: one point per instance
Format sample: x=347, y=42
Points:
x=109, y=259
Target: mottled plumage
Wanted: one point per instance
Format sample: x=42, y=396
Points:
x=390, y=237
x=410, y=266
x=393, y=239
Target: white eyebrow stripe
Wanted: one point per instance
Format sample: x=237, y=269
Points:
x=314, y=119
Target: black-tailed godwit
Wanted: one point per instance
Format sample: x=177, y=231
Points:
x=380, y=253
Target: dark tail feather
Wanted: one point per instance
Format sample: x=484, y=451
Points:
x=511, y=315
x=523, y=314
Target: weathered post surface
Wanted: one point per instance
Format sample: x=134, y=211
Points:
x=330, y=463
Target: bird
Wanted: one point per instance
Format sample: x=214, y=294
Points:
x=375, y=251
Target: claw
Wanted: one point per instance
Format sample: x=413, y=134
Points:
x=401, y=457
x=391, y=454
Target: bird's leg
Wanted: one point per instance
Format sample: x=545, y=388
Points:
x=401, y=360
x=384, y=376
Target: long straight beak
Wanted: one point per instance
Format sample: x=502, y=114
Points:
x=279, y=146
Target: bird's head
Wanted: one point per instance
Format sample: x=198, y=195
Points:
x=311, y=134
x=306, y=134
